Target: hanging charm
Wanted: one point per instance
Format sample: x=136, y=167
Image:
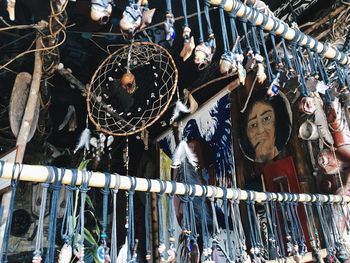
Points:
x=147, y=14
x=189, y=45
x=204, y=51
x=101, y=10
x=169, y=24
x=275, y=86
x=67, y=229
x=132, y=18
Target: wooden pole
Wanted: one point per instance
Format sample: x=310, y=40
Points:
x=37, y=173
x=330, y=52
x=26, y=125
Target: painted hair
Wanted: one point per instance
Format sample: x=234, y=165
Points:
x=283, y=121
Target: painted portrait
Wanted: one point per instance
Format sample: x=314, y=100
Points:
x=265, y=126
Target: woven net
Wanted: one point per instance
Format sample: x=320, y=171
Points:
x=115, y=111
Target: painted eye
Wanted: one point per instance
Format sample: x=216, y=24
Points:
x=253, y=125
x=267, y=118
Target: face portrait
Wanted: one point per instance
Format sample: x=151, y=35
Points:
x=265, y=126
x=261, y=131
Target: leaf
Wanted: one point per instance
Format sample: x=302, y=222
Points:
x=89, y=203
x=83, y=164
x=89, y=237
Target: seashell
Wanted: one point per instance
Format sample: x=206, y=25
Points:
x=65, y=255
x=11, y=9
x=189, y=45
x=101, y=10
x=132, y=18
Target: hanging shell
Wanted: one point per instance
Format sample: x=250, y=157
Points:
x=101, y=10
x=66, y=253
x=189, y=45
x=11, y=4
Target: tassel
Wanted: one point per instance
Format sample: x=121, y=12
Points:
x=181, y=153
x=84, y=140
x=179, y=107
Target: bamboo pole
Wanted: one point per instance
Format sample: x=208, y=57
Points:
x=330, y=52
x=26, y=125
x=37, y=173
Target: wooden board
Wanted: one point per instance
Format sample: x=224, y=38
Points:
x=18, y=103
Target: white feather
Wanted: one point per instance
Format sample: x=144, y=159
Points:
x=110, y=140
x=84, y=140
x=179, y=107
x=181, y=153
x=123, y=253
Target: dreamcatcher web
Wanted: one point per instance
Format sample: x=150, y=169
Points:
x=117, y=110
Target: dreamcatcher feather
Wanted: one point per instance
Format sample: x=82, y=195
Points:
x=84, y=140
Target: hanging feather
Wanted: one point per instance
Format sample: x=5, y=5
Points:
x=65, y=255
x=69, y=118
x=84, y=140
x=123, y=253
x=179, y=107
x=183, y=152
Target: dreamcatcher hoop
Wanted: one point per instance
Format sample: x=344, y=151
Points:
x=119, y=111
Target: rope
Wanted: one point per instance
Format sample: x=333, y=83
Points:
x=200, y=25
x=14, y=183
x=227, y=226
x=103, y=250
x=114, y=241
x=223, y=26
x=161, y=247
x=131, y=233
x=55, y=188
x=263, y=42
x=207, y=17
x=147, y=225
x=40, y=228
x=184, y=11
x=172, y=218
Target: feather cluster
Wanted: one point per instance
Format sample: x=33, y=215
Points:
x=183, y=152
x=84, y=140
x=65, y=255
x=179, y=107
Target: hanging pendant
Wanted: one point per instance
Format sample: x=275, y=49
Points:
x=132, y=18
x=189, y=45
x=66, y=253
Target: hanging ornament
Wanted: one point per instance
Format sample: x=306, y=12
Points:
x=169, y=24
x=132, y=18
x=147, y=14
x=101, y=10
x=189, y=45
x=67, y=229
x=275, y=86
x=204, y=51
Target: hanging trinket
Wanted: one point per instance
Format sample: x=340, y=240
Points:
x=101, y=10
x=169, y=24
x=114, y=241
x=171, y=228
x=147, y=14
x=78, y=248
x=275, y=86
x=237, y=63
x=103, y=250
x=67, y=229
x=189, y=45
x=204, y=51
x=161, y=241
x=147, y=225
x=132, y=18
x=37, y=258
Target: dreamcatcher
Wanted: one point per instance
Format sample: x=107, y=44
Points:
x=131, y=89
